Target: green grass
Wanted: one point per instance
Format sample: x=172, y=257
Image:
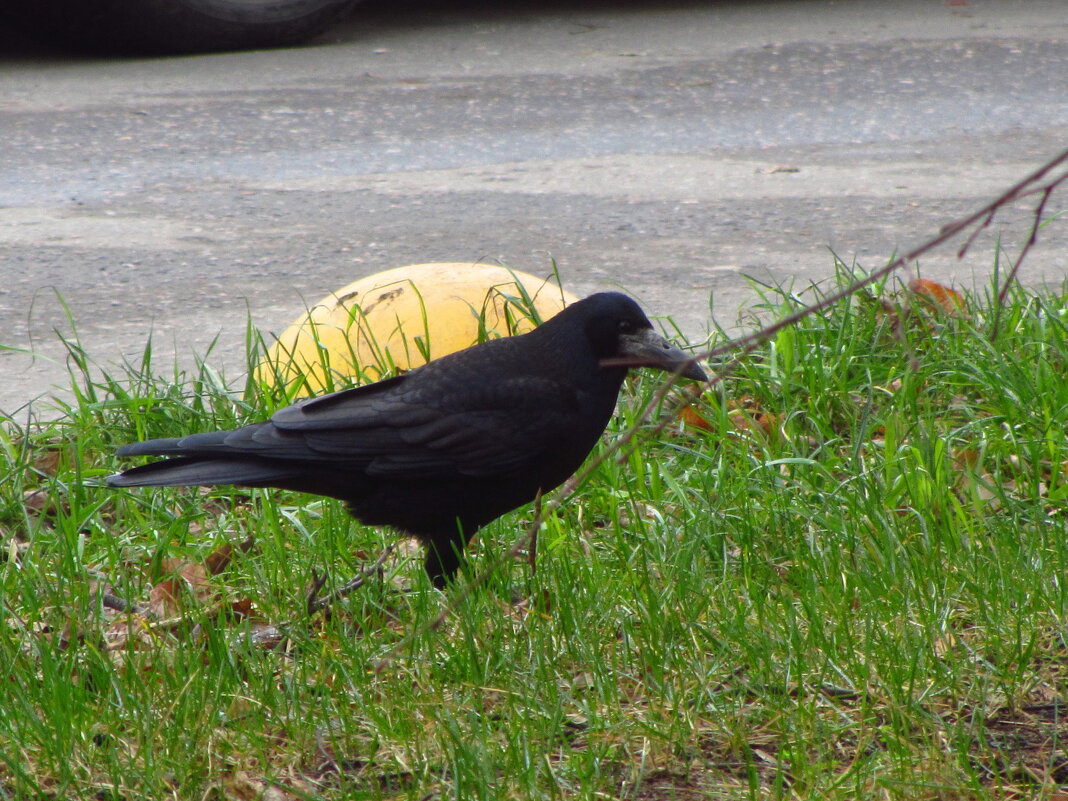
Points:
x=863, y=599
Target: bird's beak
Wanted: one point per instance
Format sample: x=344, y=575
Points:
x=648, y=349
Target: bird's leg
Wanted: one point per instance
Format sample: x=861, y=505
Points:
x=532, y=548
x=444, y=553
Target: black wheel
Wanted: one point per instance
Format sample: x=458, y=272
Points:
x=177, y=26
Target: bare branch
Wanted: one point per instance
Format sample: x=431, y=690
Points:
x=1036, y=223
x=111, y=601
x=317, y=603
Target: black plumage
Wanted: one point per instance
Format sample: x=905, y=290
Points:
x=442, y=450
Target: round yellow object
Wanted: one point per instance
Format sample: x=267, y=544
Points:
x=401, y=318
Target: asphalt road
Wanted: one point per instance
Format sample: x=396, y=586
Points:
x=672, y=149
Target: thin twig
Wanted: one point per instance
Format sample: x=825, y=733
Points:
x=975, y=234
x=111, y=601
x=1036, y=223
x=316, y=603
x=311, y=597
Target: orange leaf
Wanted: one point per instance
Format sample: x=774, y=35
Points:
x=746, y=415
x=694, y=419
x=948, y=300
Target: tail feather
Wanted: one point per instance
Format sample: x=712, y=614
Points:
x=177, y=446
x=152, y=447
x=193, y=471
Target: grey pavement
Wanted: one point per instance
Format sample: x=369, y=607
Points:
x=674, y=149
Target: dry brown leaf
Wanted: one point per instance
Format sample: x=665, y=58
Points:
x=745, y=414
x=688, y=415
x=196, y=576
x=948, y=300
x=46, y=460
x=966, y=458
x=766, y=422
x=693, y=419
x=188, y=579
x=39, y=501
x=240, y=786
x=164, y=599
x=241, y=609
x=218, y=560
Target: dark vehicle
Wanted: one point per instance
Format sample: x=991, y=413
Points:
x=175, y=26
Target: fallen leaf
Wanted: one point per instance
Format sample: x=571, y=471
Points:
x=164, y=599
x=966, y=458
x=692, y=418
x=39, y=501
x=240, y=786
x=218, y=559
x=746, y=415
x=948, y=300
x=188, y=579
x=46, y=460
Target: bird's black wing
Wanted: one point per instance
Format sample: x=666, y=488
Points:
x=416, y=426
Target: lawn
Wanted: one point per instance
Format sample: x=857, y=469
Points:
x=840, y=573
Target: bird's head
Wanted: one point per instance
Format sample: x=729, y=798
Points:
x=622, y=336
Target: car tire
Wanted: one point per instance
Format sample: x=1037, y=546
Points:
x=178, y=26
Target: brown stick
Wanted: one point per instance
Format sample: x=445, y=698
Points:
x=317, y=603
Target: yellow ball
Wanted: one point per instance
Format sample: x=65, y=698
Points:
x=401, y=318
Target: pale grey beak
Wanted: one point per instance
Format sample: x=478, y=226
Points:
x=647, y=348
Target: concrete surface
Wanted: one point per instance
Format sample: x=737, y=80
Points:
x=672, y=149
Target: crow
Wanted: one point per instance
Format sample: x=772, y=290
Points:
x=439, y=451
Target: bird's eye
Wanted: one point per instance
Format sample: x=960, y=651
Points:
x=626, y=327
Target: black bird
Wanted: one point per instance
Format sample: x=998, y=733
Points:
x=442, y=450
